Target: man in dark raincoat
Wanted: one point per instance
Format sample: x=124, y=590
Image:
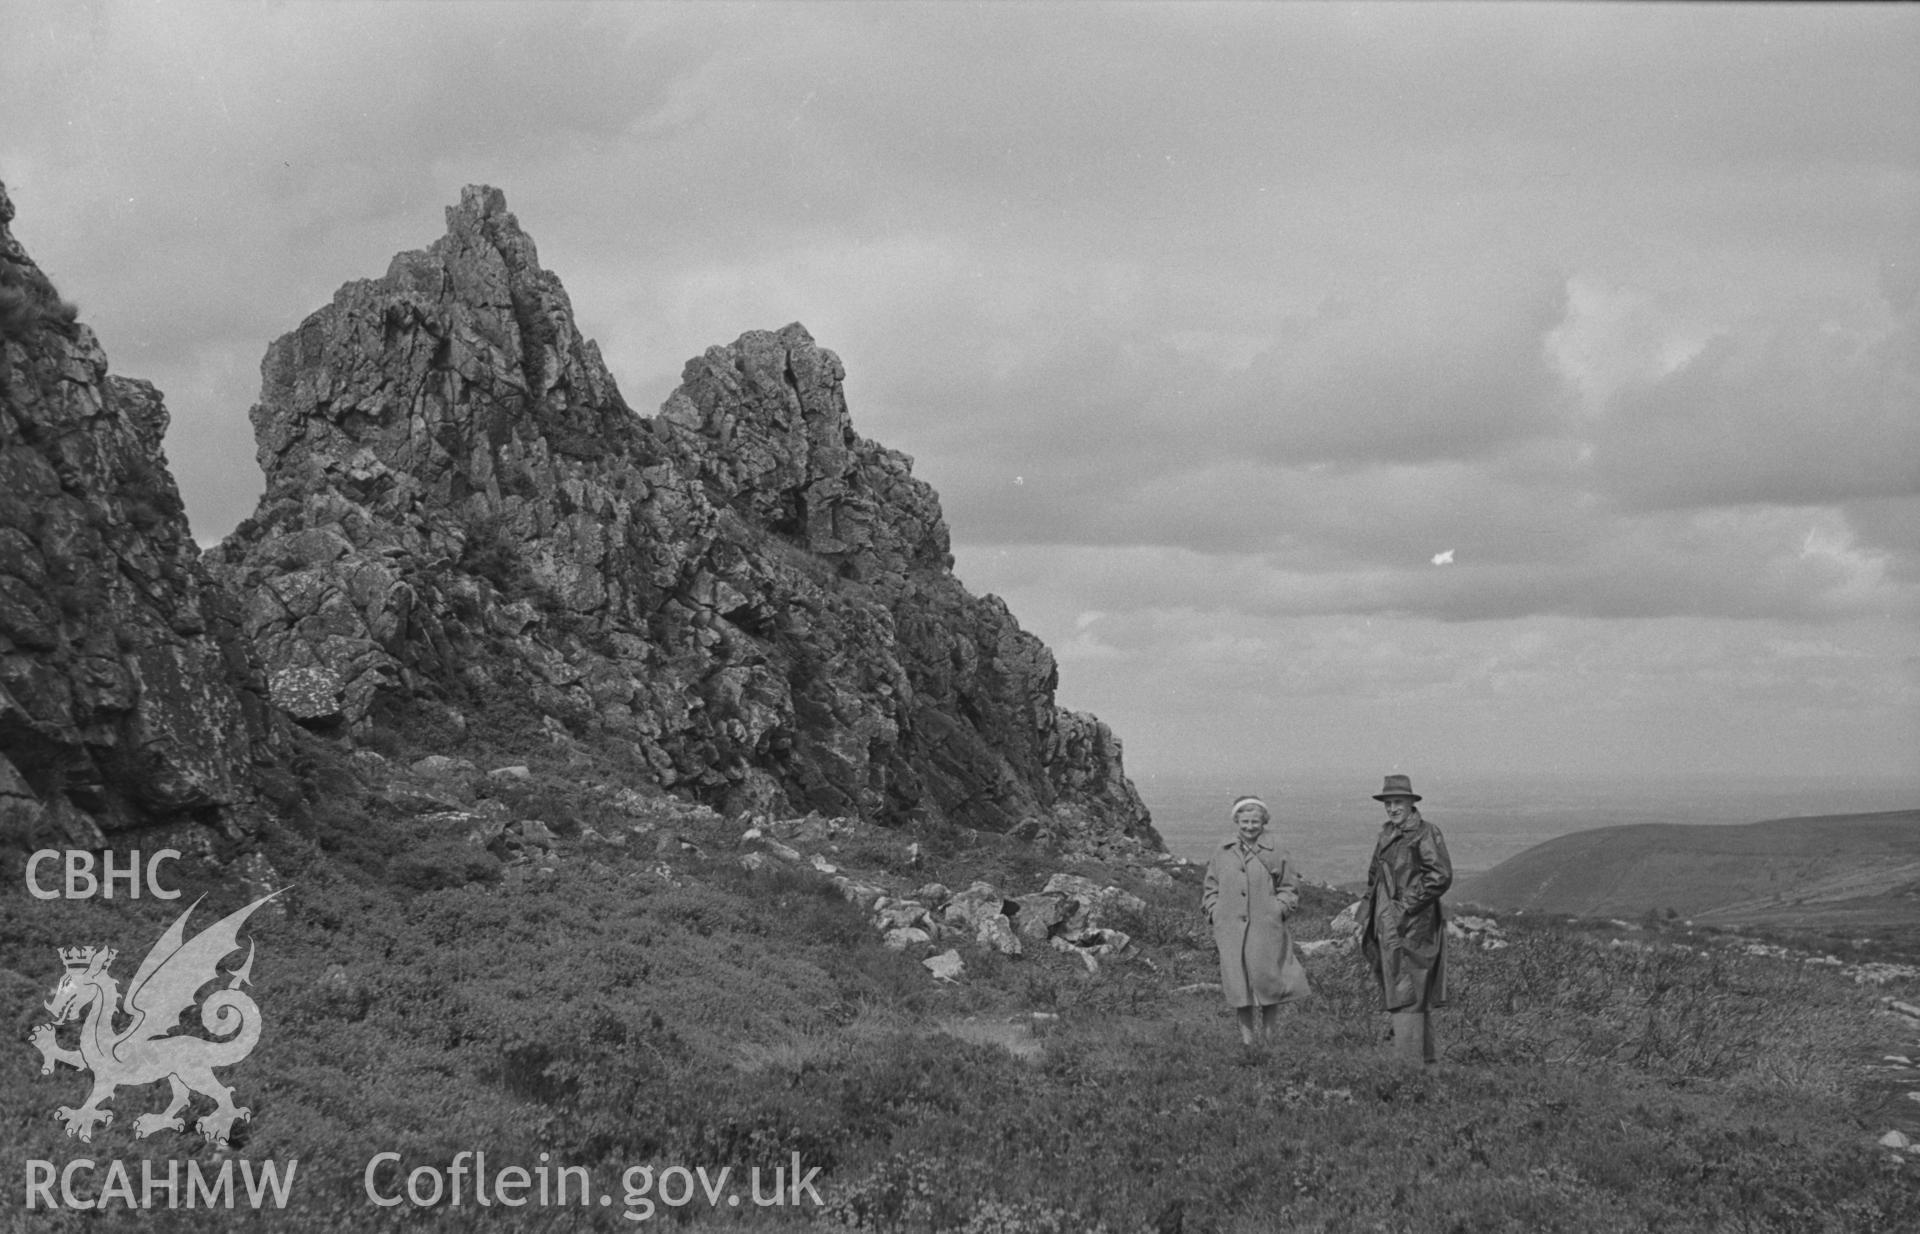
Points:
x=1403, y=934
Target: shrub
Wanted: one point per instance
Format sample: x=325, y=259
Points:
x=435, y=864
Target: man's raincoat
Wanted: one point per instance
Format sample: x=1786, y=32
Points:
x=1403, y=934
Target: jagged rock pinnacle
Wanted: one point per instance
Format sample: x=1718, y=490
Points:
x=459, y=504
x=127, y=698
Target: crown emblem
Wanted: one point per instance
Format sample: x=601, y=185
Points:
x=168, y=985
x=81, y=957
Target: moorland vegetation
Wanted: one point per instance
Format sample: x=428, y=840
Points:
x=622, y=990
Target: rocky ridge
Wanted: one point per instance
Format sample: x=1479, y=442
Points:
x=462, y=514
x=128, y=698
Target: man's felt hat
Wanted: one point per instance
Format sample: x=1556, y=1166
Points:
x=1397, y=786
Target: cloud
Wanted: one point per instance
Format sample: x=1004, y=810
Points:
x=1815, y=409
x=1220, y=321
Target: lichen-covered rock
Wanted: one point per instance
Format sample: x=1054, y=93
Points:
x=1039, y=914
x=128, y=698
x=753, y=598
x=1089, y=903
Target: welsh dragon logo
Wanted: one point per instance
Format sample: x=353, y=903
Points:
x=163, y=989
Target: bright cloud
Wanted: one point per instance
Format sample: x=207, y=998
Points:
x=1217, y=327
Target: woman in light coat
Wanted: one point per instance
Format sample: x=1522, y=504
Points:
x=1248, y=895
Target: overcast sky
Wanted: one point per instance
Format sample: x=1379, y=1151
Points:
x=1524, y=389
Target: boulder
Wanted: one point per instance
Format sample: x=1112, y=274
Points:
x=1039, y=915
x=898, y=914
x=904, y=937
x=1481, y=931
x=947, y=966
x=533, y=831
x=863, y=894
x=976, y=905
x=997, y=932
x=1089, y=902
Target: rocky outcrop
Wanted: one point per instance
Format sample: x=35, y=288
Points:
x=753, y=599
x=127, y=698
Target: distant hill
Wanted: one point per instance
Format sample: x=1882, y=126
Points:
x=1827, y=871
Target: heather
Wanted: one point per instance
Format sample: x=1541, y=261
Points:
x=632, y=994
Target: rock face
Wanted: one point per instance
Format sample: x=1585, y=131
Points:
x=127, y=698
x=460, y=507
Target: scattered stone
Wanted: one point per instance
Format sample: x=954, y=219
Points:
x=638, y=804
x=975, y=906
x=997, y=932
x=863, y=894
x=533, y=831
x=933, y=893
x=1089, y=892
x=307, y=693
x=1895, y=1139
x=947, y=966
x=518, y=771
x=1347, y=920
x=1199, y=987
x=1085, y=956
x=755, y=860
x=487, y=833
x=782, y=851
x=371, y=764
x=1039, y=914
x=1103, y=942
x=443, y=767
x=823, y=865
x=417, y=801
x=896, y=914
x=1325, y=946
x=1481, y=931
x=905, y=937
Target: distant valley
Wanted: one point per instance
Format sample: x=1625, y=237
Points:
x=1827, y=872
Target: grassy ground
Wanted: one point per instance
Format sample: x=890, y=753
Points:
x=657, y=1005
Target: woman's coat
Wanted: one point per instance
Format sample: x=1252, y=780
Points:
x=1247, y=900
x=1404, y=936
